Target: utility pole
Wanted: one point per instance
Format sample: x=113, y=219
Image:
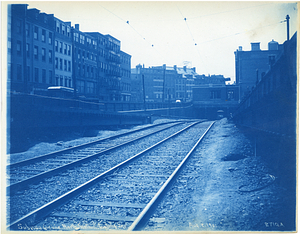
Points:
x=164, y=78
x=143, y=79
x=288, y=27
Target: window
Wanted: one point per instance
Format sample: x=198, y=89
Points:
x=36, y=33
x=215, y=94
x=56, y=63
x=44, y=76
x=65, y=48
x=19, y=48
x=66, y=81
x=43, y=54
x=65, y=65
x=19, y=72
x=36, y=74
x=27, y=28
x=61, y=80
x=35, y=52
x=28, y=73
x=230, y=95
x=50, y=38
x=60, y=47
x=68, y=31
x=57, y=26
x=56, y=80
x=43, y=35
x=63, y=29
x=56, y=46
x=50, y=56
x=19, y=26
x=27, y=50
x=50, y=77
x=69, y=50
x=60, y=64
x=81, y=39
x=69, y=66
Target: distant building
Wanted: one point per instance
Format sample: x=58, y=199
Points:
x=30, y=49
x=162, y=83
x=45, y=51
x=63, y=54
x=84, y=63
x=250, y=66
x=125, y=72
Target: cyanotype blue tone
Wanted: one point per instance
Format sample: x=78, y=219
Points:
x=97, y=143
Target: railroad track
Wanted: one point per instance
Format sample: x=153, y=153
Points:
x=125, y=195
x=24, y=173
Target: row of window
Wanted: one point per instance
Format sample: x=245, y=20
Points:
x=37, y=53
x=63, y=64
x=62, y=48
x=65, y=81
x=83, y=54
x=63, y=29
x=39, y=34
x=88, y=87
x=38, y=76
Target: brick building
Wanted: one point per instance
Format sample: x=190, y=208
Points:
x=250, y=66
x=162, y=83
x=45, y=51
x=63, y=53
x=30, y=49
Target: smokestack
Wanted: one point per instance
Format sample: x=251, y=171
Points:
x=288, y=27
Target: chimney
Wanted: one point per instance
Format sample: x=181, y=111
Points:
x=184, y=68
x=77, y=26
x=175, y=67
x=194, y=69
x=255, y=46
x=240, y=48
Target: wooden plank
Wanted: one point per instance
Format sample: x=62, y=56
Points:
x=135, y=175
x=83, y=215
x=127, y=192
x=89, y=203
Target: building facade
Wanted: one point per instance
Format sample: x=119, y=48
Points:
x=125, y=72
x=45, y=51
x=31, y=49
x=63, y=53
x=250, y=66
x=168, y=84
x=84, y=64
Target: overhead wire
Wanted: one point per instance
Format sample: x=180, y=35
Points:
x=128, y=23
x=195, y=44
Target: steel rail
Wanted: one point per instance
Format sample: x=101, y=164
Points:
x=11, y=189
x=144, y=216
x=45, y=156
x=44, y=210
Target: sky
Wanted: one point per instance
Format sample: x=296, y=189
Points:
x=195, y=33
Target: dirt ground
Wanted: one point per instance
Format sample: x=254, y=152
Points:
x=233, y=189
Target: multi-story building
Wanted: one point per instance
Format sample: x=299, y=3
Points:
x=31, y=49
x=250, y=66
x=85, y=79
x=125, y=72
x=162, y=83
x=45, y=51
x=108, y=64
x=63, y=53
